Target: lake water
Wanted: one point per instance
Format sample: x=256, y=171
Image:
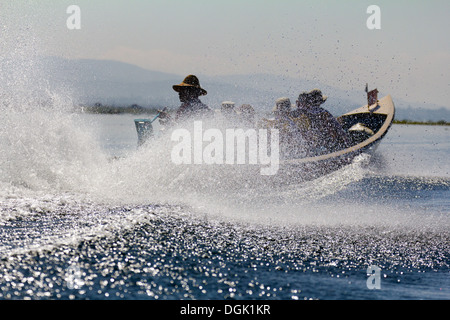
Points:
x=84, y=214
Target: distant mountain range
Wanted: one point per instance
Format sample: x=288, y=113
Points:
x=121, y=84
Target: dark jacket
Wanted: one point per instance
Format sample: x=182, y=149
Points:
x=192, y=109
x=324, y=134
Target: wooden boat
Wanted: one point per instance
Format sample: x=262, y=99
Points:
x=366, y=126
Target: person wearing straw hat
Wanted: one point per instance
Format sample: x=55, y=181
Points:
x=191, y=107
x=324, y=134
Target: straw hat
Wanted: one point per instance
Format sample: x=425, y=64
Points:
x=314, y=97
x=190, y=81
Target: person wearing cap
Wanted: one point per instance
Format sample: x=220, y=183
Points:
x=291, y=129
x=228, y=112
x=191, y=107
x=246, y=114
x=324, y=133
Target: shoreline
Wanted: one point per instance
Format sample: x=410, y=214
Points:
x=135, y=109
x=423, y=123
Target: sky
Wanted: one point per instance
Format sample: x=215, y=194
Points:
x=322, y=40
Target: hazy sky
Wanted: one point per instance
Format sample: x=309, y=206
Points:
x=409, y=57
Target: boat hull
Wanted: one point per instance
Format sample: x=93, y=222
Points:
x=376, y=118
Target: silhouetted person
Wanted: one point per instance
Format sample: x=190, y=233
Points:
x=290, y=129
x=324, y=133
x=191, y=107
x=246, y=115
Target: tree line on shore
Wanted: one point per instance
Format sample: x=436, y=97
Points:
x=430, y=123
x=99, y=108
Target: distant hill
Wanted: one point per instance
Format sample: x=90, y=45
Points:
x=118, y=83
x=109, y=82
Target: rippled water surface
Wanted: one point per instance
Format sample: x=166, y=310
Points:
x=102, y=220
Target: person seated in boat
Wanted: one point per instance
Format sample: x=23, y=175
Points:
x=291, y=130
x=324, y=133
x=227, y=113
x=191, y=107
x=246, y=114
